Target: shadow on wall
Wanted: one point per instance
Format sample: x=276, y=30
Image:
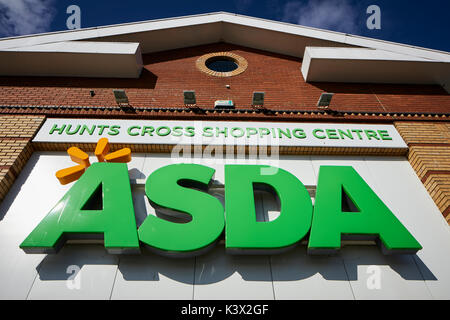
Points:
x=197, y=51
x=17, y=185
x=147, y=80
x=377, y=88
x=217, y=265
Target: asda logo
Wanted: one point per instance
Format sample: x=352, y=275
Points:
x=99, y=205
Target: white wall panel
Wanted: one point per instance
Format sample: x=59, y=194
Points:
x=149, y=276
x=216, y=274
x=373, y=275
x=401, y=190
x=298, y=276
x=356, y=162
x=77, y=272
x=31, y=197
x=223, y=276
x=17, y=269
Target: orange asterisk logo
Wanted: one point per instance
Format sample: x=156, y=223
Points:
x=77, y=155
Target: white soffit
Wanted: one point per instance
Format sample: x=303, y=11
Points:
x=188, y=31
x=363, y=65
x=74, y=59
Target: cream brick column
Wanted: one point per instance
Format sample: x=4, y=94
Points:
x=429, y=155
x=16, y=133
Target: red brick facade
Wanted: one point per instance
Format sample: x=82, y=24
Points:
x=167, y=74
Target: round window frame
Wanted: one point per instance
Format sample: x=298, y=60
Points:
x=242, y=64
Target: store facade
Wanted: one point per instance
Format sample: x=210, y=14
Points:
x=233, y=182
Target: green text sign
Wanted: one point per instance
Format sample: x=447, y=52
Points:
x=99, y=205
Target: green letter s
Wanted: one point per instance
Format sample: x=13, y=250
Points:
x=169, y=188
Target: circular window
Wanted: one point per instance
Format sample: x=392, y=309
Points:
x=222, y=64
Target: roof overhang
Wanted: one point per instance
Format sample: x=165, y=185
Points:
x=361, y=65
x=73, y=58
x=271, y=36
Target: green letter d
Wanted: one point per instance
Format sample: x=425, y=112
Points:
x=243, y=232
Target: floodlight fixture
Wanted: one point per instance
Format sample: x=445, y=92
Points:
x=325, y=100
x=258, y=99
x=121, y=97
x=189, y=97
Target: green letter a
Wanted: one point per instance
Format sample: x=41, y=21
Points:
x=70, y=219
x=373, y=220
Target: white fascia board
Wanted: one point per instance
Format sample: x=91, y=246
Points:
x=371, y=66
x=172, y=38
x=53, y=37
x=270, y=40
x=338, y=37
x=285, y=28
x=82, y=47
x=398, y=48
x=74, y=59
x=106, y=31
x=204, y=20
x=155, y=25
x=161, y=24
x=359, y=54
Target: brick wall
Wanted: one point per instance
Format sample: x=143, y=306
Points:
x=16, y=133
x=167, y=74
x=429, y=155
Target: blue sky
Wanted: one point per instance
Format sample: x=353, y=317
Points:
x=420, y=23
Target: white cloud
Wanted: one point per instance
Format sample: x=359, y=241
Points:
x=336, y=15
x=20, y=17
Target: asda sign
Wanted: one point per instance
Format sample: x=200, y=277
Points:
x=220, y=133
x=100, y=205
